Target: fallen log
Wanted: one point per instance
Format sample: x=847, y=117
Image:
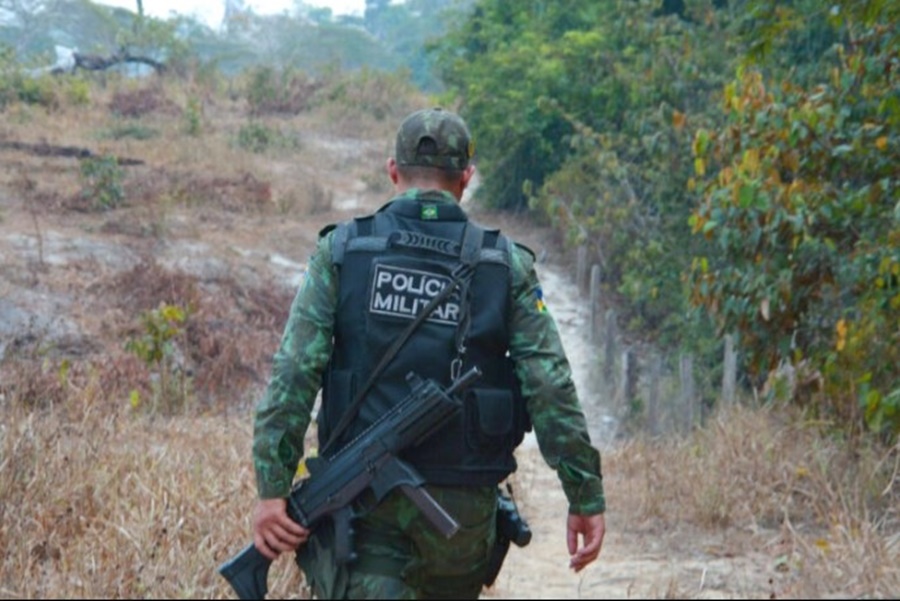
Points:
x=50, y=150
x=96, y=62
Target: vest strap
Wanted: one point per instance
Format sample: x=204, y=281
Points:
x=473, y=238
x=367, y=243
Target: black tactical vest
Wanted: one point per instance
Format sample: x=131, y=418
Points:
x=391, y=265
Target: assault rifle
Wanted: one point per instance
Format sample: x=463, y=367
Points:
x=368, y=462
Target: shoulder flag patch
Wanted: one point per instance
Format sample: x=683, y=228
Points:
x=539, y=301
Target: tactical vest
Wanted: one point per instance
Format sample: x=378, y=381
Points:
x=391, y=265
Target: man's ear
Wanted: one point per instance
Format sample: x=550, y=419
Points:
x=392, y=170
x=467, y=175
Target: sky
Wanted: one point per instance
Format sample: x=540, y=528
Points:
x=211, y=11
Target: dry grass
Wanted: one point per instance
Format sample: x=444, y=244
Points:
x=827, y=513
x=99, y=501
x=96, y=502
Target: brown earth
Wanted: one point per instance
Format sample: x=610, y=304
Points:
x=58, y=267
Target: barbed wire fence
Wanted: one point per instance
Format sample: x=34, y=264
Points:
x=644, y=388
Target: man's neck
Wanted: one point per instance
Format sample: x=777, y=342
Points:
x=405, y=187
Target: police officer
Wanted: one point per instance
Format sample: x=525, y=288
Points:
x=367, y=281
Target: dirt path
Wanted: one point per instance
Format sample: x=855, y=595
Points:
x=634, y=562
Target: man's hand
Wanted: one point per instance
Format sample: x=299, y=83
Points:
x=273, y=531
x=591, y=528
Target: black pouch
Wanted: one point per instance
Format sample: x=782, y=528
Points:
x=511, y=528
x=491, y=417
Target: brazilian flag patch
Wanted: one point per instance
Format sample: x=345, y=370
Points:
x=429, y=212
x=539, y=301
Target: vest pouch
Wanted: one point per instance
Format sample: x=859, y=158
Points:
x=490, y=419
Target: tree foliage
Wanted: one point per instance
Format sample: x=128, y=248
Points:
x=501, y=62
x=778, y=216
x=801, y=204
x=595, y=131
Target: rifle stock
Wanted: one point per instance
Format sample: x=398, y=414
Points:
x=368, y=462
x=248, y=573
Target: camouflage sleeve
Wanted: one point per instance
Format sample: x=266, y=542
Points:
x=546, y=379
x=283, y=413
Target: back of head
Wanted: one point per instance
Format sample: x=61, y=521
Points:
x=434, y=138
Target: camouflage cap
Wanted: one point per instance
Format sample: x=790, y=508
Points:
x=434, y=138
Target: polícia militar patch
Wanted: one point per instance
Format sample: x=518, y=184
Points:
x=404, y=292
x=429, y=212
x=539, y=302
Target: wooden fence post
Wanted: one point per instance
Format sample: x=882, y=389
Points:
x=653, y=394
x=729, y=378
x=609, y=352
x=687, y=391
x=581, y=270
x=595, y=302
x=629, y=378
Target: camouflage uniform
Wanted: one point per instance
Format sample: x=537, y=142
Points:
x=400, y=555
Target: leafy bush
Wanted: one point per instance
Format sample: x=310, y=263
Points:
x=102, y=182
x=16, y=85
x=600, y=143
x=157, y=346
x=259, y=138
x=800, y=214
x=77, y=91
x=193, y=117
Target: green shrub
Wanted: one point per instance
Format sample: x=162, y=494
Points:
x=77, y=91
x=259, y=138
x=157, y=346
x=37, y=90
x=102, y=182
x=193, y=117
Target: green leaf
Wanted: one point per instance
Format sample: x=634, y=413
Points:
x=842, y=150
x=746, y=196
